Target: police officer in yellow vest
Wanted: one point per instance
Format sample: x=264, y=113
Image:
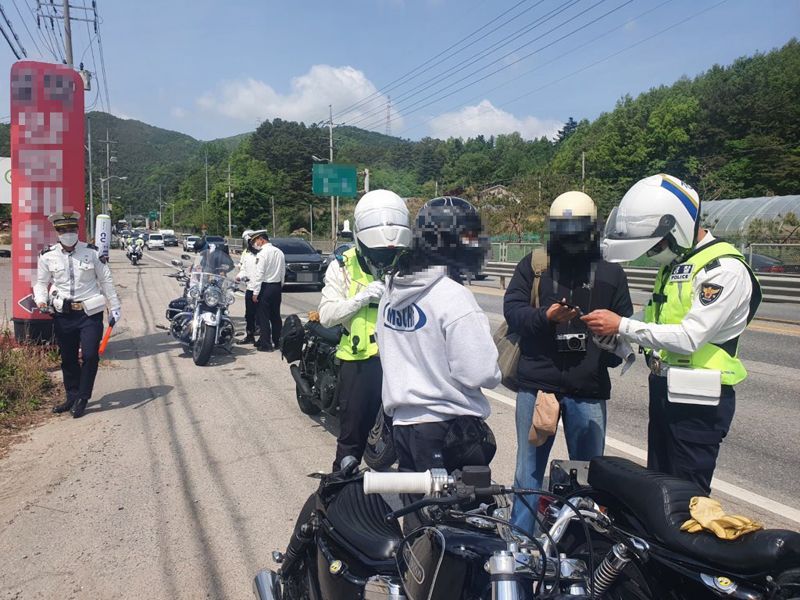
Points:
x=705, y=294
x=353, y=288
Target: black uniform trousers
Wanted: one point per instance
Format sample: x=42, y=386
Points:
x=360, y=384
x=77, y=331
x=268, y=314
x=250, y=309
x=683, y=439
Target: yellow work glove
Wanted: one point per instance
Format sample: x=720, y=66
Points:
x=708, y=514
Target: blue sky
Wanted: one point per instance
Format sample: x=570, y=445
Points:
x=212, y=69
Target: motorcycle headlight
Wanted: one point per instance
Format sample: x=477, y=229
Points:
x=212, y=296
x=193, y=292
x=229, y=297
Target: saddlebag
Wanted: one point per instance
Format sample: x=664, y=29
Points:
x=292, y=338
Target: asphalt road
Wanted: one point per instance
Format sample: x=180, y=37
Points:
x=180, y=480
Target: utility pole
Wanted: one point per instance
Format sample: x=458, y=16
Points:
x=583, y=171
x=160, y=216
x=330, y=160
x=91, y=187
x=106, y=194
x=272, y=200
x=230, y=196
x=311, y=220
x=67, y=34
x=202, y=225
x=366, y=181
x=540, y=192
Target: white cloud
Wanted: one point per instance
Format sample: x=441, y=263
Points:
x=178, y=112
x=307, y=100
x=486, y=119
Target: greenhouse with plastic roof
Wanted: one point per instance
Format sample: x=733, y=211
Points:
x=764, y=219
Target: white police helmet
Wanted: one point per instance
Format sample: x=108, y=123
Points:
x=381, y=227
x=656, y=209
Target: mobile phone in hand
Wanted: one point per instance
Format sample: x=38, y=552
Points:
x=568, y=305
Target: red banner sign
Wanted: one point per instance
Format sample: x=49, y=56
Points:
x=47, y=165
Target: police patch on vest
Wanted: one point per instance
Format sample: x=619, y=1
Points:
x=409, y=318
x=709, y=292
x=682, y=273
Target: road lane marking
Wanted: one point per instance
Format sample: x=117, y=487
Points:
x=787, y=512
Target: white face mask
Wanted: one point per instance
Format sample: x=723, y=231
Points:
x=68, y=239
x=664, y=257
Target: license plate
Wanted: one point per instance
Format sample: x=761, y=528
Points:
x=305, y=277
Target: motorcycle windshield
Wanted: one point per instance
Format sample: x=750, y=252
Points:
x=212, y=267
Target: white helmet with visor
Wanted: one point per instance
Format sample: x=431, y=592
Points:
x=658, y=217
x=381, y=228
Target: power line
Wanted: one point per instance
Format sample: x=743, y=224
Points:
x=52, y=33
x=25, y=25
x=91, y=48
x=441, y=77
x=102, y=59
x=396, y=82
x=10, y=45
x=61, y=37
x=427, y=101
x=14, y=33
x=561, y=56
x=43, y=37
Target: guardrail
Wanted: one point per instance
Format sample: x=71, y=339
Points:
x=777, y=288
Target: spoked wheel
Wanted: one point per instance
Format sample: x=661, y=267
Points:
x=380, y=454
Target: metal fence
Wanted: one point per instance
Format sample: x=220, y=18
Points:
x=511, y=251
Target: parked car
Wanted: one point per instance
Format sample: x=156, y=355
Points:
x=188, y=243
x=765, y=264
x=304, y=264
x=170, y=240
x=155, y=241
x=218, y=240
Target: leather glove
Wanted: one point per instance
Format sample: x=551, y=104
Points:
x=373, y=291
x=708, y=514
x=116, y=315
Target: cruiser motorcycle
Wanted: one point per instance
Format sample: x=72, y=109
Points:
x=199, y=320
x=348, y=543
x=316, y=375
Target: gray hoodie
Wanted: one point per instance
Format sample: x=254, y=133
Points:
x=436, y=350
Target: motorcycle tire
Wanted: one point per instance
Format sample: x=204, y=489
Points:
x=306, y=404
x=379, y=453
x=134, y=260
x=204, y=346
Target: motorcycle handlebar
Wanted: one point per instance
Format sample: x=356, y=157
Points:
x=398, y=483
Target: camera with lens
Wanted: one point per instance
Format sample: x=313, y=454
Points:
x=571, y=342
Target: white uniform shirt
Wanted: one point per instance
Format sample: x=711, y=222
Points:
x=335, y=308
x=247, y=268
x=77, y=275
x=270, y=266
x=718, y=321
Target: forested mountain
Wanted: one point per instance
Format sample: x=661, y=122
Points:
x=731, y=132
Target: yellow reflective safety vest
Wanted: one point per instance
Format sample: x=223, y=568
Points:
x=358, y=342
x=672, y=300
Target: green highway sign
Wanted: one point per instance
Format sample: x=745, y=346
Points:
x=153, y=214
x=334, y=180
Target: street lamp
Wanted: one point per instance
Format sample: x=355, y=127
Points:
x=104, y=180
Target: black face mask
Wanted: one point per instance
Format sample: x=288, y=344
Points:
x=378, y=259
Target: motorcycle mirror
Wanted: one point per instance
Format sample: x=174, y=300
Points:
x=186, y=257
x=176, y=263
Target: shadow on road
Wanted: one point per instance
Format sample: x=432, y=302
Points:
x=134, y=397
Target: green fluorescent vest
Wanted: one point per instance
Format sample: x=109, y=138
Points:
x=358, y=343
x=672, y=301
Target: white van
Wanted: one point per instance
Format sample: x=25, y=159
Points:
x=155, y=240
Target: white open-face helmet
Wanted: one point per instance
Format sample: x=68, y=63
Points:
x=246, y=235
x=656, y=208
x=572, y=224
x=381, y=227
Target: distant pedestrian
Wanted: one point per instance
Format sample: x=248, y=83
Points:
x=270, y=270
x=81, y=287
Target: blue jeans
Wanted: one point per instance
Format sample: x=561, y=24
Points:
x=584, y=422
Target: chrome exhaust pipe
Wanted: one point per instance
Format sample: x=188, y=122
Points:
x=300, y=380
x=266, y=586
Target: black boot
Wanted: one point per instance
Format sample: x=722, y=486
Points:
x=248, y=339
x=63, y=407
x=80, y=406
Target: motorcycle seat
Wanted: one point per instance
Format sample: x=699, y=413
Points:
x=361, y=520
x=332, y=335
x=661, y=503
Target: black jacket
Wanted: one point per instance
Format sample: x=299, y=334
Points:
x=541, y=365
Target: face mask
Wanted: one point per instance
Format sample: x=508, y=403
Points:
x=664, y=257
x=68, y=239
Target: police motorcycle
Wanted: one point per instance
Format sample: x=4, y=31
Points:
x=203, y=323
x=316, y=374
x=663, y=562
x=134, y=253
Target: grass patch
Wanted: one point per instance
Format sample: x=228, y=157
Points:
x=25, y=382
